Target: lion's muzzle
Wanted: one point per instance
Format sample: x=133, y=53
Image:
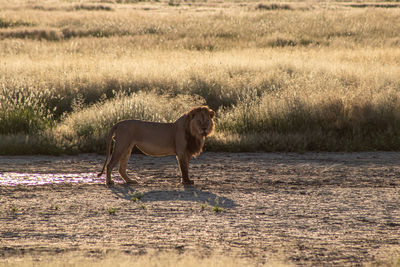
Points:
x=205, y=132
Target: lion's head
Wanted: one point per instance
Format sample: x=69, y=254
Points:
x=200, y=124
x=201, y=121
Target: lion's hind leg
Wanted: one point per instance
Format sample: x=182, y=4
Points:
x=110, y=167
x=115, y=157
x=123, y=163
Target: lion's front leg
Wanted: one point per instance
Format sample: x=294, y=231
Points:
x=123, y=163
x=183, y=160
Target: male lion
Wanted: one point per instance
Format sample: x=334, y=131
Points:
x=183, y=138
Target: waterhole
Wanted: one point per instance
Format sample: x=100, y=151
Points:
x=14, y=178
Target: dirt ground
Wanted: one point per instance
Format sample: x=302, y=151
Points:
x=309, y=209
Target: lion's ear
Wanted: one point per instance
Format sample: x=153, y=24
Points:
x=212, y=113
x=191, y=114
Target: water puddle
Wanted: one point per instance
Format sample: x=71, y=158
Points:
x=13, y=178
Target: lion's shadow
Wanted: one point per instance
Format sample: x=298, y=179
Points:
x=188, y=194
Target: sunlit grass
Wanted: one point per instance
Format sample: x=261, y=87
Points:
x=244, y=25
x=25, y=110
x=282, y=76
x=164, y=259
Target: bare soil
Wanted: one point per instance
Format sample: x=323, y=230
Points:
x=311, y=209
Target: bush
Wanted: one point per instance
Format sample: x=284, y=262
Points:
x=295, y=124
x=24, y=110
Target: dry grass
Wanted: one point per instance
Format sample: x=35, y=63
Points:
x=282, y=76
x=164, y=259
x=215, y=28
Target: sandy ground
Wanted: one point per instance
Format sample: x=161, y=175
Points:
x=310, y=209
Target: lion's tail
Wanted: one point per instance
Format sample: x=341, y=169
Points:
x=109, y=139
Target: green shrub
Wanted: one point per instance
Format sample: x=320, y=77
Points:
x=24, y=110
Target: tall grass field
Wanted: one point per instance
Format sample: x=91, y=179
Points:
x=282, y=76
x=164, y=259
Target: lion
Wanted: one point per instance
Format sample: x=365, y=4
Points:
x=183, y=138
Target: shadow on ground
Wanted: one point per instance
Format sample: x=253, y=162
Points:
x=188, y=194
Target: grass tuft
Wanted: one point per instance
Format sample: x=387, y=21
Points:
x=218, y=209
x=137, y=196
x=273, y=6
x=203, y=206
x=112, y=210
x=13, y=210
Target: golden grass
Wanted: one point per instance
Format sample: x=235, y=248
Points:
x=164, y=259
x=388, y=257
x=278, y=74
x=209, y=26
